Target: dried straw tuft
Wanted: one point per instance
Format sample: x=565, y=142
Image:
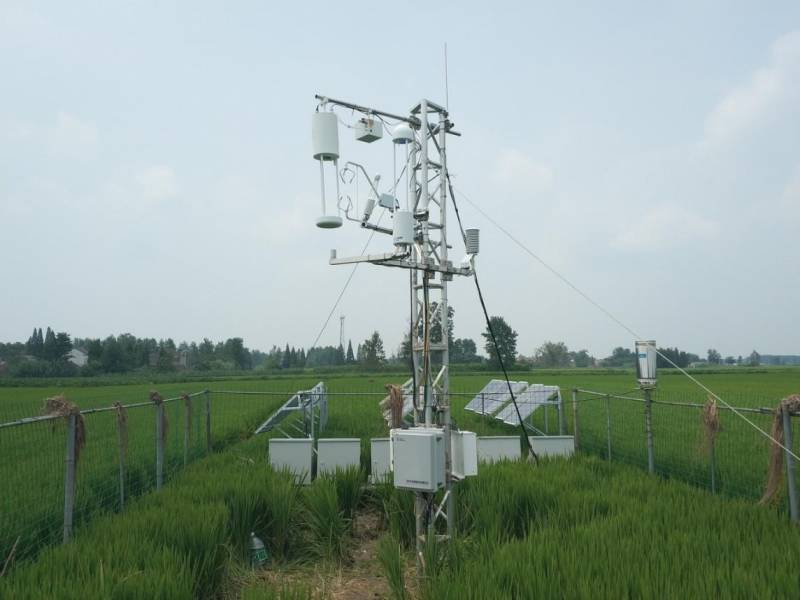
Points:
x=711, y=424
x=775, y=469
x=61, y=407
x=395, y=403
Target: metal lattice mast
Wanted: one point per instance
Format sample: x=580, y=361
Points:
x=420, y=240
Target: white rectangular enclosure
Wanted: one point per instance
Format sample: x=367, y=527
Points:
x=464, y=453
x=418, y=458
x=380, y=461
x=337, y=453
x=552, y=445
x=500, y=447
x=293, y=455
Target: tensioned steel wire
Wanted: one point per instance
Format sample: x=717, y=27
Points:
x=620, y=323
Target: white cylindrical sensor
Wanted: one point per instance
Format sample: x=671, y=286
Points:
x=403, y=230
x=325, y=135
x=646, y=360
x=473, y=239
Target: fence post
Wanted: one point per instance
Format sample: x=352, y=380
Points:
x=159, y=445
x=561, y=428
x=69, y=475
x=187, y=427
x=575, y=417
x=208, y=422
x=121, y=443
x=608, y=424
x=712, y=454
x=648, y=427
x=790, y=474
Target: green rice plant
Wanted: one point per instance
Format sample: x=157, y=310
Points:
x=285, y=516
x=390, y=557
x=349, y=490
x=325, y=521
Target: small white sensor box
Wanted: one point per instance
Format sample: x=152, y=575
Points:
x=368, y=129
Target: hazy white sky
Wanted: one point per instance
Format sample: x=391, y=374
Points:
x=156, y=173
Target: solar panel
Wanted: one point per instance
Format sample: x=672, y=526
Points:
x=490, y=389
x=528, y=401
x=499, y=400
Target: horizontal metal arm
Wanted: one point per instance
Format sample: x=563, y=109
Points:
x=366, y=109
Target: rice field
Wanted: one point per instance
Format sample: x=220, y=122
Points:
x=33, y=465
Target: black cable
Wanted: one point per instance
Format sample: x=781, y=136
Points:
x=489, y=322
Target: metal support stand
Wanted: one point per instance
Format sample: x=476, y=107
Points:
x=69, y=476
x=648, y=427
x=791, y=482
x=561, y=425
x=431, y=270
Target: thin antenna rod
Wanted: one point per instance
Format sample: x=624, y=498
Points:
x=446, y=88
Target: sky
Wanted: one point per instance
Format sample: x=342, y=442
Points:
x=156, y=174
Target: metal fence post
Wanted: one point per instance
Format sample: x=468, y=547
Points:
x=159, y=445
x=790, y=474
x=121, y=443
x=561, y=428
x=712, y=455
x=575, y=417
x=608, y=424
x=648, y=427
x=208, y=422
x=187, y=427
x=69, y=475
x=546, y=420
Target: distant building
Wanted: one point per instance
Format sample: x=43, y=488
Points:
x=3, y=367
x=78, y=357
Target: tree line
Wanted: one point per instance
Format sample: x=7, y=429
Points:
x=57, y=354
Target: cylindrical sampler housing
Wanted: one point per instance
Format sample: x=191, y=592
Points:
x=646, y=360
x=473, y=240
x=325, y=135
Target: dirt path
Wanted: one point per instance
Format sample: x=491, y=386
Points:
x=359, y=578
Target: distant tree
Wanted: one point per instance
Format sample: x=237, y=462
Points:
x=506, y=348
x=372, y=353
x=62, y=346
x=754, y=359
x=340, y=357
x=582, y=359
x=464, y=350
x=714, y=357
x=350, y=357
x=286, y=360
x=552, y=354
x=670, y=357
x=620, y=357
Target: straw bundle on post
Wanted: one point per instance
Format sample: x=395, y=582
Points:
x=395, y=404
x=122, y=427
x=775, y=469
x=711, y=424
x=61, y=407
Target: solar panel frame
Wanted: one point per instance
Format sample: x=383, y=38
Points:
x=528, y=402
x=493, y=387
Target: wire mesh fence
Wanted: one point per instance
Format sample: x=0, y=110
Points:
x=731, y=459
x=133, y=448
